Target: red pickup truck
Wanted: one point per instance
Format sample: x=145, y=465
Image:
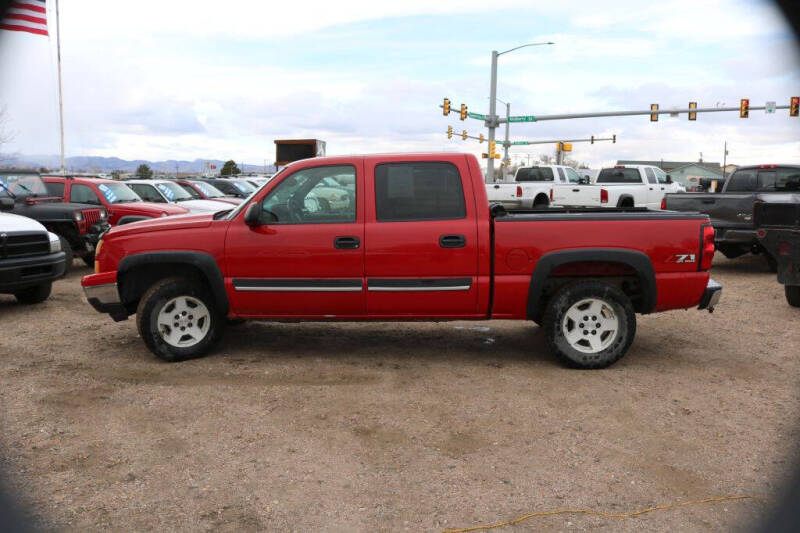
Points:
x=420, y=242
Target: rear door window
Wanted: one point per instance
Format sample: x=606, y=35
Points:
x=418, y=191
x=742, y=181
x=651, y=176
x=561, y=175
x=83, y=194
x=573, y=176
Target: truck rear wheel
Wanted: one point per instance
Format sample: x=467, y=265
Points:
x=68, y=255
x=590, y=324
x=792, y=295
x=178, y=319
x=34, y=295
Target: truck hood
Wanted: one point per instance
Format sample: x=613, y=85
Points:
x=152, y=208
x=162, y=224
x=204, y=206
x=10, y=222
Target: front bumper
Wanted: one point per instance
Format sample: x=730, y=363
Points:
x=105, y=299
x=711, y=295
x=22, y=272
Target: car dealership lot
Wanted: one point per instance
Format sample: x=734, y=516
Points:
x=388, y=426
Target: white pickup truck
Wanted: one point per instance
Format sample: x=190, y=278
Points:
x=532, y=186
x=619, y=186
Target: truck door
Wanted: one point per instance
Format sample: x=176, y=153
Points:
x=421, y=238
x=654, y=190
x=306, y=258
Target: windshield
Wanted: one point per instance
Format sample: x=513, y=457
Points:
x=209, y=190
x=117, y=193
x=619, y=175
x=22, y=185
x=244, y=186
x=173, y=192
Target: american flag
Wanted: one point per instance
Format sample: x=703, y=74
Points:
x=26, y=15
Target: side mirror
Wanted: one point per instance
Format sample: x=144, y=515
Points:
x=669, y=179
x=6, y=204
x=252, y=217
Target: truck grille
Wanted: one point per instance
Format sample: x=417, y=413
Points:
x=91, y=216
x=23, y=244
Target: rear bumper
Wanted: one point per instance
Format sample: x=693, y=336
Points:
x=104, y=297
x=744, y=237
x=23, y=272
x=711, y=295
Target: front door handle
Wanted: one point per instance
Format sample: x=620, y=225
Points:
x=452, y=241
x=346, y=243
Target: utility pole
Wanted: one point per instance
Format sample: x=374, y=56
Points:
x=724, y=159
x=60, y=100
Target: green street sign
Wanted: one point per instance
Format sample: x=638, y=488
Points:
x=470, y=114
x=520, y=143
x=522, y=118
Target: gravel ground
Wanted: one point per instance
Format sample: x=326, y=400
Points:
x=387, y=427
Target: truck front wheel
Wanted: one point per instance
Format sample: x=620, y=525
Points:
x=792, y=295
x=34, y=295
x=178, y=319
x=590, y=324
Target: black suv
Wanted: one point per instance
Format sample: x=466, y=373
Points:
x=78, y=226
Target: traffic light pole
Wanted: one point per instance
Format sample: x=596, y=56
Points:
x=491, y=120
x=539, y=118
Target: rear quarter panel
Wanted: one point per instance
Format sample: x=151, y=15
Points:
x=520, y=245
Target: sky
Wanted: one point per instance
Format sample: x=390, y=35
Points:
x=187, y=80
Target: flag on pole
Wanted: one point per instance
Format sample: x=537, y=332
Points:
x=26, y=15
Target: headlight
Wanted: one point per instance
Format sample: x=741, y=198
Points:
x=334, y=197
x=78, y=216
x=103, y=214
x=55, y=243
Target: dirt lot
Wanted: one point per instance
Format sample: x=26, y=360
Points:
x=356, y=427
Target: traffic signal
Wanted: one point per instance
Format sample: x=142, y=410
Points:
x=463, y=135
x=566, y=147
x=446, y=107
x=480, y=138
x=463, y=111
x=449, y=132
x=692, y=116
x=653, y=116
x=492, y=148
x=592, y=140
x=614, y=138
x=794, y=104
x=744, y=108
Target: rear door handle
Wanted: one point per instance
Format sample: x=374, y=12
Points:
x=452, y=241
x=496, y=186
x=576, y=190
x=709, y=201
x=346, y=243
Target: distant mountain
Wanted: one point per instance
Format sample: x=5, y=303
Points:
x=108, y=164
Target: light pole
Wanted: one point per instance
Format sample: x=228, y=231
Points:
x=491, y=120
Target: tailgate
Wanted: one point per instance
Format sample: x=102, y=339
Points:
x=726, y=210
x=576, y=195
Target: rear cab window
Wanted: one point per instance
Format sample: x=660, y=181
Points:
x=619, y=175
x=742, y=181
x=534, y=174
x=418, y=191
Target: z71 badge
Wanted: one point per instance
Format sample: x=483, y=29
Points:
x=682, y=258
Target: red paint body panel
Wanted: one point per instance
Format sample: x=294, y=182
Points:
x=396, y=252
x=116, y=211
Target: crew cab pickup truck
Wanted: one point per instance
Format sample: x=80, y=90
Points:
x=78, y=225
x=619, y=186
x=30, y=257
x=532, y=186
x=419, y=243
x=778, y=223
x=731, y=210
x=122, y=204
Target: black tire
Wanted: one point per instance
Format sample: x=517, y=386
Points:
x=792, y=294
x=151, y=305
x=34, y=295
x=610, y=296
x=541, y=202
x=68, y=255
x=772, y=263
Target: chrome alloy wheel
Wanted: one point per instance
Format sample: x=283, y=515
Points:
x=590, y=325
x=183, y=321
